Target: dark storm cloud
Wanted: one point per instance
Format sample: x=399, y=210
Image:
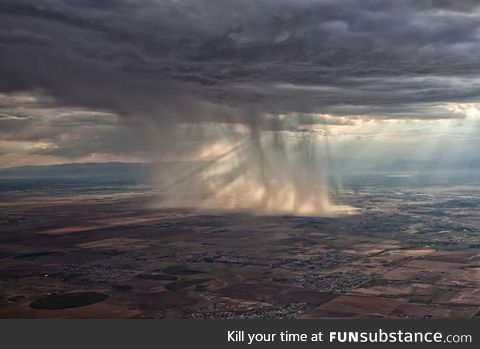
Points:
x=195, y=60
x=23, y=37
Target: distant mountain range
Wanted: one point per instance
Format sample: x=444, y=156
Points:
x=141, y=170
x=110, y=169
x=428, y=165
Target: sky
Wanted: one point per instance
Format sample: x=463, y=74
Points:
x=149, y=80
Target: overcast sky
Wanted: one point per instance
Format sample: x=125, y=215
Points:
x=79, y=78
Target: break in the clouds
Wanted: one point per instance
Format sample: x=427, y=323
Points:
x=35, y=130
x=103, y=67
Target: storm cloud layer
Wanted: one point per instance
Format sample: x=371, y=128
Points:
x=176, y=58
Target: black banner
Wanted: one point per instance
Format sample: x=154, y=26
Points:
x=238, y=333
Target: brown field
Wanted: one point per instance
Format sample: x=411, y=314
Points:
x=158, y=263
